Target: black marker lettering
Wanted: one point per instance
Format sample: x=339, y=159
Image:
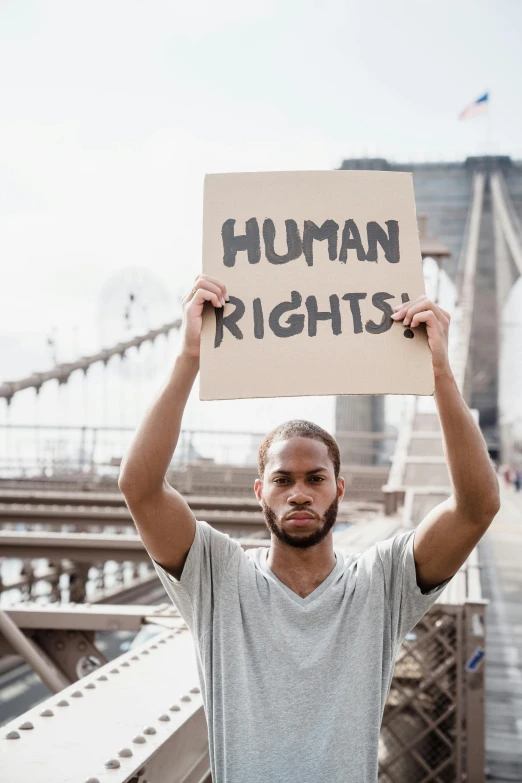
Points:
x=351, y=241
x=378, y=300
x=230, y=321
x=259, y=323
x=233, y=244
x=327, y=231
x=293, y=240
x=407, y=332
x=388, y=241
x=355, y=310
x=314, y=315
x=295, y=322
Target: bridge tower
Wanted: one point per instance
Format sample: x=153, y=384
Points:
x=473, y=207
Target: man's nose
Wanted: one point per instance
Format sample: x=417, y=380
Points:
x=299, y=496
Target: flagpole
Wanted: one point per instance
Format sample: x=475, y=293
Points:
x=489, y=135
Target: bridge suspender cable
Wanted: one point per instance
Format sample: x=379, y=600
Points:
x=467, y=292
x=62, y=372
x=507, y=217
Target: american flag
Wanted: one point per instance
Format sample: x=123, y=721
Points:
x=476, y=108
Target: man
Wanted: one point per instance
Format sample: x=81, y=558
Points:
x=296, y=643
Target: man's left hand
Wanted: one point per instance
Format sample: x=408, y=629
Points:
x=437, y=320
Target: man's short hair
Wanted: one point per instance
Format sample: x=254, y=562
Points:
x=299, y=428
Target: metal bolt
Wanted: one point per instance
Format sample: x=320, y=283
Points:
x=149, y=730
x=115, y=671
x=93, y=780
x=26, y=725
x=175, y=708
x=135, y=658
x=154, y=647
x=47, y=713
x=126, y=663
x=82, y=646
x=145, y=652
x=63, y=703
x=12, y=735
x=162, y=641
x=186, y=698
x=112, y=764
x=77, y=694
x=195, y=690
x=125, y=752
x=60, y=645
x=103, y=677
x=139, y=740
x=91, y=685
x=164, y=717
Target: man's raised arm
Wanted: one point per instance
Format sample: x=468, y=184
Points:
x=448, y=534
x=164, y=521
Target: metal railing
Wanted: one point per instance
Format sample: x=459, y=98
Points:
x=433, y=724
x=54, y=451
x=434, y=712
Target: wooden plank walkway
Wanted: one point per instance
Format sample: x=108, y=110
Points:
x=501, y=561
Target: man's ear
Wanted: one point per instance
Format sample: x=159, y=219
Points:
x=340, y=488
x=258, y=488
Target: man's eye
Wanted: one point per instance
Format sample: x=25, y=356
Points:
x=279, y=480
x=319, y=478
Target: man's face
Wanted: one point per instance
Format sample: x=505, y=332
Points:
x=299, y=493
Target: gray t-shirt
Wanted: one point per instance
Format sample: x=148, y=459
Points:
x=294, y=688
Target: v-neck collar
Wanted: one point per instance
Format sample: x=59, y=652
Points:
x=315, y=593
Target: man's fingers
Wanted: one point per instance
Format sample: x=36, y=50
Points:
x=409, y=310
x=204, y=295
x=213, y=280
x=421, y=307
x=206, y=285
x=410, y=302
x=426, y=317
x=422, y=299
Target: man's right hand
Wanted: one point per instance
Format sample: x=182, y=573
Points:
x=205, y=289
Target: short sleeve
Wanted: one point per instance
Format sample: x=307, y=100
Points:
x=195, y=593
x=408, y=604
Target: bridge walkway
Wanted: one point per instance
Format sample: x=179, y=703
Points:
x=500, y=557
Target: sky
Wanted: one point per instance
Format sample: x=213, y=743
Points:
x=112, y=112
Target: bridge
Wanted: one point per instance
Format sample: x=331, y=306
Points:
x=89, y=648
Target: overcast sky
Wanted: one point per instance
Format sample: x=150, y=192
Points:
x=112, y=112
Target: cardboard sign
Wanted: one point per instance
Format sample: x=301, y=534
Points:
x=314, y=262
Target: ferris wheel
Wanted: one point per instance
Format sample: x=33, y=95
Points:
x=130, y=303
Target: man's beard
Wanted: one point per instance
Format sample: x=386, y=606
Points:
x=302, y=542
